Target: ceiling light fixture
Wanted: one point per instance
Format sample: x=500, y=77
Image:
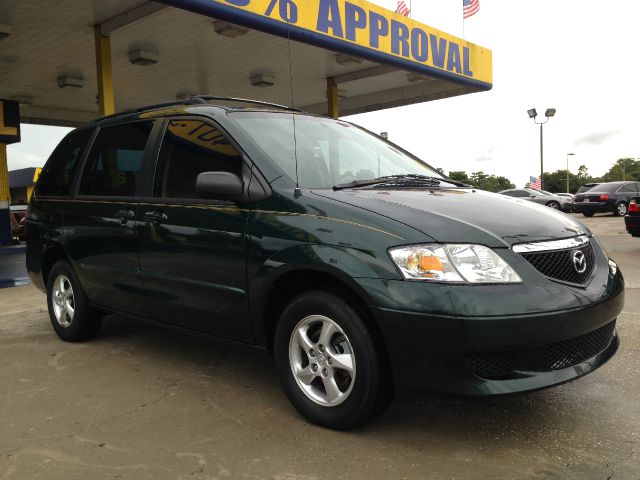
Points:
x=262, y=80
x=230, y=30
x=143, y=58
x=70, y=81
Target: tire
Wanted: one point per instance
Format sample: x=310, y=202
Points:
x=553, y=205
x=621, y=209
x=356, y=393
x=73, y=319
x=588, y=214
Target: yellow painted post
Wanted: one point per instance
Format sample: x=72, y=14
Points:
x=5, y=224
x=106, y=98
x=332, y=98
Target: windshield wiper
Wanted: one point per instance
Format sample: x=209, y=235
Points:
x=400, y=181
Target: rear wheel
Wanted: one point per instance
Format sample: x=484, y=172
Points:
x=554, y=205
x=588, y=214
x=330, y=362
x=621, y=209
x=72, y=317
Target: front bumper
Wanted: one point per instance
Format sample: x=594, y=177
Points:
x=441, y=353
x=593, y=207
x=632, y=223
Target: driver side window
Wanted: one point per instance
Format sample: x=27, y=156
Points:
x=191, y=147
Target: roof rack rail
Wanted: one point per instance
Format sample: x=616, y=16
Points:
x=208, y=98
x=197, y=100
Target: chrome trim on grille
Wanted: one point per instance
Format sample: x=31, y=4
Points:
x=564, y=244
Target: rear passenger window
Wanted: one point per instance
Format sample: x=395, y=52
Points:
x=631, y=188
x=191, y=147
x=57, y=175
x=113, y=164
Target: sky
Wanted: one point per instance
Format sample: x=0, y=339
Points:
x=576, y=56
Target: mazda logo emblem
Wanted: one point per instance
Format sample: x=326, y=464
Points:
x=579, y=261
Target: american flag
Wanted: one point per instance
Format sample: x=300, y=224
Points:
x=535, y=182
x=403, y=9
x=470, y=7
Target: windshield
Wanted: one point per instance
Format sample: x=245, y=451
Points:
x=330, y=152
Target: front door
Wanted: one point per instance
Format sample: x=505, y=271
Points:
x=192, y=251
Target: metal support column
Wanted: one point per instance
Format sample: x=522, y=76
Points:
x=332, y=98
x=5, y=223
x=106, y=99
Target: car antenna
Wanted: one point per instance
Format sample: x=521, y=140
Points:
x=297, y=192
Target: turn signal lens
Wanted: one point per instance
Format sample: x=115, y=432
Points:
x=453, y=263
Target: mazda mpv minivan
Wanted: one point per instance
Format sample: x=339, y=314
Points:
x=359, y=266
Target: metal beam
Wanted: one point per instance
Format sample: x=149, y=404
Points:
x=130, y=16
x=332, y=98
x=106, y=98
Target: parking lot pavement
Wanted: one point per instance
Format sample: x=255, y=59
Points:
x=140, y=402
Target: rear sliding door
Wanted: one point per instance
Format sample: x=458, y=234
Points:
x=100, y=227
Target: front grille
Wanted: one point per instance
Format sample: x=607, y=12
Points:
x=571, y=352
x=559, y=265
x=554, y=356
x=494, y=365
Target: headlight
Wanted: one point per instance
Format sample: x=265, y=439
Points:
x=452, y=263
x=613, y=268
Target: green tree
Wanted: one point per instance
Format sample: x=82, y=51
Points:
x=460, y=176
x=623, y=169
x=482, y=181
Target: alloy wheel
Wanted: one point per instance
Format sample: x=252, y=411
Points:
x=322, y=360
x=622, y=209
x=63, y=301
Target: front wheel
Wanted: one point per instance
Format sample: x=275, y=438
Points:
x=554, y=205
x=621, y=209
x=72, y=317
x=330, y=362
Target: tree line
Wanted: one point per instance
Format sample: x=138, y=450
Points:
x=623, y=169
x=482, y=181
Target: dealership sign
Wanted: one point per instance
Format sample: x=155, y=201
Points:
x=358, y=28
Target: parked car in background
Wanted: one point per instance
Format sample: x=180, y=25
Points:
x=586, y=187
x=607, y=197
x=17, y=217
x=537, y=196
x=566, y=195
x=632, y=219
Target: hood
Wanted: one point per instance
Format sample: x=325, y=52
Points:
x=464, y=215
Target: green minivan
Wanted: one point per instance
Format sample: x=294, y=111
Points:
x=361, y=268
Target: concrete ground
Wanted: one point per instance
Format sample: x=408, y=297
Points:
x=140, y=402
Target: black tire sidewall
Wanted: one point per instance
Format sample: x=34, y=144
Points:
x=360, y=404
x=587, y=214
x=84, y=323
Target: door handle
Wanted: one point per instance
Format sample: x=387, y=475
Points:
x=155, y=217
x=125, y=215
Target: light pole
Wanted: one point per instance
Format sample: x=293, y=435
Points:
x=548, y=114
x=568, y=155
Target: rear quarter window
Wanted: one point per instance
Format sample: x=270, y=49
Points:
x=58, y=173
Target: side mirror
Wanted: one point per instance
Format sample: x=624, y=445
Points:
x=219, y=186
x=532, y=196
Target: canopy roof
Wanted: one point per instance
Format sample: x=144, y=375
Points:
x=285, y=52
